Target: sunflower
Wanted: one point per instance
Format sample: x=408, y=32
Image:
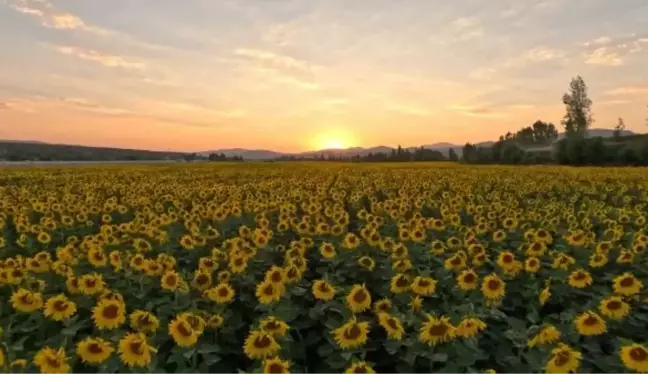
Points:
x=260, y=344
x=275, y=365
x=26, y=301
x=627, y=285
x=548, y=335
x=467, y=280
x=589, y=323
x=493, y=287
x=352, y=334
x=215, y=321
x=358, y=299
x=183, y=333
x=359, y=367
x=614, y=307
x=545, y=294
x=470, y=327
x=323, y=290
x=109, y=314
x=50, y=360
x=274, y=326
x=563, y=359
x=399, y=283
x=267, y=292
x=625, y=257
x=293, y=274
x=351, y=241
x=455, y=262
x=635, y=357
x=416, y=302
x=367, y=262
x=144, y=321
x=506, y=260
x=382, y=306
x=223, y=293
x=499, y=236
x=134, y=350
x=597, y=260
x=392, y=325
x=59, y=308
x=195, y=321
x=170, y=280
x=94, y=350
x=532, y=265
x=436, y=331
x=580, y=278
x=201, y=280
x=327, y=250
x=72, y=285
x=276, y=275
x=424, y=286
x=91, y=284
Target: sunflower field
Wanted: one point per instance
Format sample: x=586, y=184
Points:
x=323, y=267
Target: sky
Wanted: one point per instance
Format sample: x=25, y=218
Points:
x=295, y=75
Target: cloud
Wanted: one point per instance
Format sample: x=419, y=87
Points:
x=603, y=57
x=336, y=101
x=112, y=61
x=50, y=17
x=274, y=59
x=300, y=83
x=542, y=54
x=634, y=90
x=410, y=109
x=476, y=111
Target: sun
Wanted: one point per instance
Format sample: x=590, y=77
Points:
x=337, y=139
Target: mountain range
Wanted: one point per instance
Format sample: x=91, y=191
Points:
x=263, y=154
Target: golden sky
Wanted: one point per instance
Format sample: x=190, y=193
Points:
x=293, y=75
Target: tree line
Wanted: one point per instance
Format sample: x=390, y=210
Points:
x=536, y=144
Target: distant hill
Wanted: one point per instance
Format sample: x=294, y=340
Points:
x=38, y=151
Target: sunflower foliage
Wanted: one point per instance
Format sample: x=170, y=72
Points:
x=323, y=268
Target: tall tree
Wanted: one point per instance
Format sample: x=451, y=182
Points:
x=578, y=116
x=618, y=129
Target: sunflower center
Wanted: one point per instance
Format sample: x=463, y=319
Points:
x=627, y=282
x=360, y=369
x=262, y=342
x=323, y=287
x=614, y=305
x=424, y=283
x=366, y=262
x=268, y=290
x=275, y=368
x=591, y=321
x=494, y=284
x=137, y=347
x=90, y=283
x=276, y=277
x=171, y=280
x=580, y=276
x=184, y=329
x=202, y=279
x=353, y=332
x=456, y=261
x=53, y=362
x=392, y=324
x=223, y=292
x=562, y=358
x=438, y=329
x=638, y=354
x=507, y=258
x=469, y=278
x=60, y=305
x=111, y=311
x=272, y=326
x=95, y=348
x=360, y=296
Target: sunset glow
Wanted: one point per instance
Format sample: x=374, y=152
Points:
x=290, y=75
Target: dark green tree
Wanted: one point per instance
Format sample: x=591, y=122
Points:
x=452, y=155
x=578, y=116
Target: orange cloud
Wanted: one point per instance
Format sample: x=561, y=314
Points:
x=104, y=59
x=603, y=57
